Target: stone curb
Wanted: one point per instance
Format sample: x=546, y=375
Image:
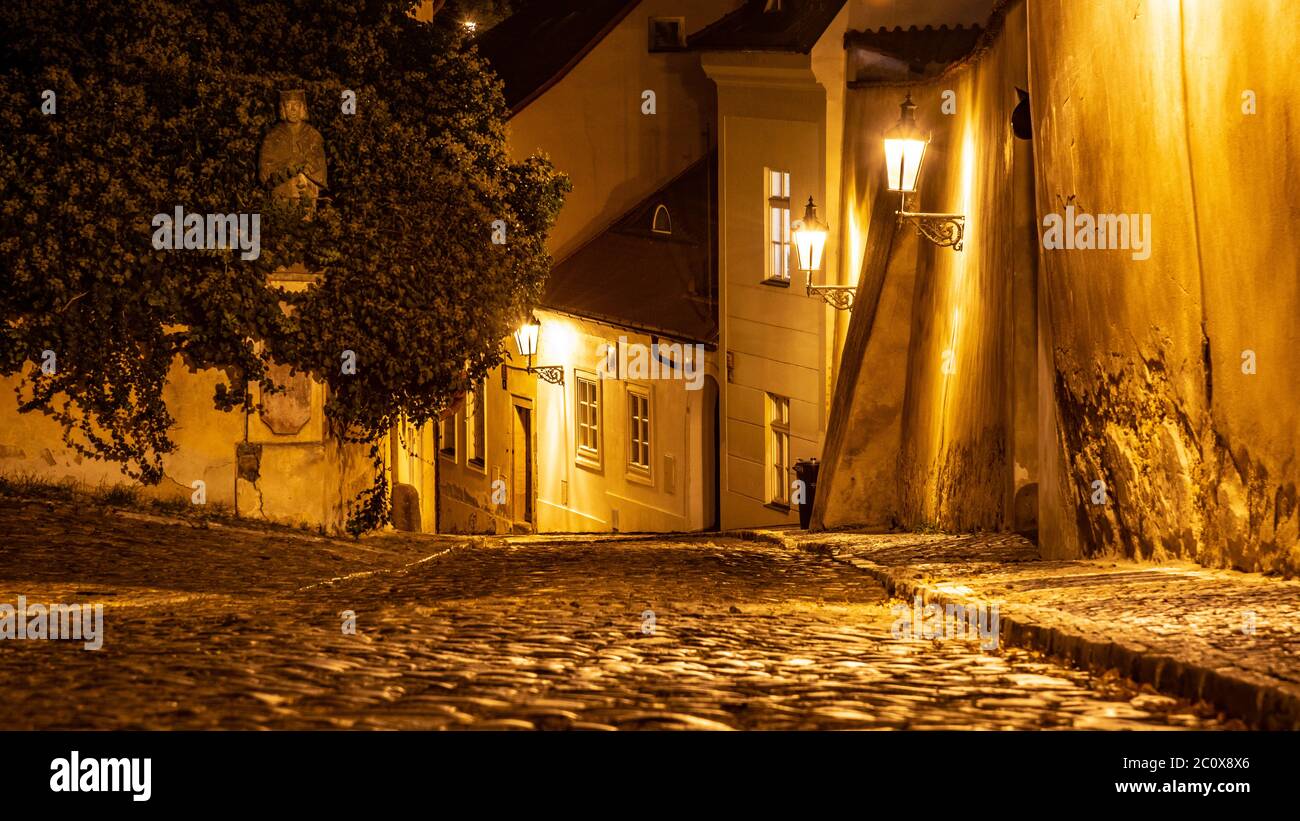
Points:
x=1264, y=702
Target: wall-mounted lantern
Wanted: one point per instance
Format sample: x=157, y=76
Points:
x=904, y=150
x=809, y=235
x=526, y=343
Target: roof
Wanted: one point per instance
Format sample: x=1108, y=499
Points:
x=633, y=277
x=533, y=48
x=917, y=51
x=796, y=27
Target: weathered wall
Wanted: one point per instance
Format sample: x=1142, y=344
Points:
x=936, y=419
x=32, y=443
x=1245, y=172
x=859, y=482
x=1139, y=110
x=304, y=479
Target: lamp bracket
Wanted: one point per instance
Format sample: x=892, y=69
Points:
x=944, y=230
x=550, y=373
x=547, y=373
x=839, y=297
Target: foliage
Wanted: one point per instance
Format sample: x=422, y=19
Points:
x=165, y=102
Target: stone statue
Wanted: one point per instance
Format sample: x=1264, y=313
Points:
x=292, y=159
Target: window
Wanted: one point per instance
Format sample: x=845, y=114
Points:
x=667, y=33
x=778, y=227
x=447, y=436
x=662, y=222
x=475, y=411
x=638, y=431
x=778, y=450
x=586, y=405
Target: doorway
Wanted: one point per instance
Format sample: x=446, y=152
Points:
x=521, y=465
x=408, y=477
x=712, y=442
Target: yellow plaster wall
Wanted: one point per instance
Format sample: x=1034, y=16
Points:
x=590, y=122
x=1140, y=110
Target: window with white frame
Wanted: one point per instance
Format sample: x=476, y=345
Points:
x=638, y=431
x=778, y=449
x=586, y=405
x=474, y=426
x=778, y=226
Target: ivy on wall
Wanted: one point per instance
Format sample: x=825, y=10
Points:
x=164, y=103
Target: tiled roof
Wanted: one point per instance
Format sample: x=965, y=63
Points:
x=796, y=27
x=632, y=276
x=536, y=46
x=922, y=51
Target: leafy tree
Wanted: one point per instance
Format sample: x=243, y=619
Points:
x=162, y=103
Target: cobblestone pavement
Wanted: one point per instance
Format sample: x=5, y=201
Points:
x=1174, y=621
x=241, y=629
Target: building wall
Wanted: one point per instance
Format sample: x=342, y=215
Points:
x=773, y=114
x=576, y=494
x=465, y=490
x=591, y=125
x=1153, y=438
x=941, y=429
x=1147, y=378
x=32, y=443
x=308, y=478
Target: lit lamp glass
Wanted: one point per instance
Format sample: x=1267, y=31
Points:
x=809, y=235
x=904, y=149
x=526, y=337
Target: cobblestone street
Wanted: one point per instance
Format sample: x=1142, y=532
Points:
x=225, y=627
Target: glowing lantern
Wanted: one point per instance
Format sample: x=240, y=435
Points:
x=809, y=236
x=904, y=149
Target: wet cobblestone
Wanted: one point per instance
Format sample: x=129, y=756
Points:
x=500, y=635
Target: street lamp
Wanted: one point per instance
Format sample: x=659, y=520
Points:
x=809, y=235
x=904, y=150
x=526, y=337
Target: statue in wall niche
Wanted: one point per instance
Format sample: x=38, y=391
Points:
x=292, y=158
x=292, y=162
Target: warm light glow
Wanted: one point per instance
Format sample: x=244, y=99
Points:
x=809, y=236
x=904, y=149
x=470, y=26
x=526, y=337
x=561, y=341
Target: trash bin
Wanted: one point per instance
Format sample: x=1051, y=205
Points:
x=805, y=470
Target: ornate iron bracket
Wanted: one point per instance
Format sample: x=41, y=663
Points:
x=839, y=297
x=944, y=230
x=550, y=373
x=547, y=373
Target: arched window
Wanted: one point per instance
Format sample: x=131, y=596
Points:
x=662, y=223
